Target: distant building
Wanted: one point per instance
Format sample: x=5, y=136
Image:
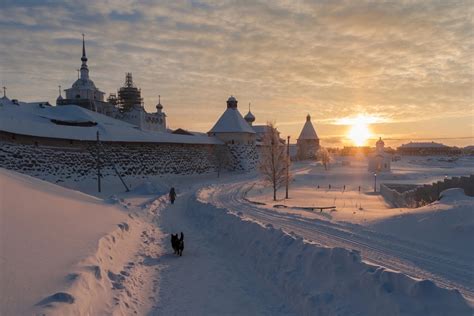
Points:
x=128, y=106
x=308, y=142
x=426, y=149
x=83, y=91
x=380, y=160
x=231, y=128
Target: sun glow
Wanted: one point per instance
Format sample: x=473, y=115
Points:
x=359, y=131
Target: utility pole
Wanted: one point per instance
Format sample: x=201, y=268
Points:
x=287, y=165
x=375, y=182
x=98, y=162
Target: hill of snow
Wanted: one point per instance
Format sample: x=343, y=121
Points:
x=36, y=119
x=44, y=231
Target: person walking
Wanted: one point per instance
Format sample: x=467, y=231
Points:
x=172, y=195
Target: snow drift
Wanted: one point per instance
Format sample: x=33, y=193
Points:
x=447, y=223
x=67, y=253
x=324, y=281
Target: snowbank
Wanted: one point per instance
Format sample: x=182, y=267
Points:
x=448, y=223
x=61, y=250
x=324, y=281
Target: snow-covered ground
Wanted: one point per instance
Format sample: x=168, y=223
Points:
x=433, y=242
x=240, y=258
x=63, y=252
x=351, y=188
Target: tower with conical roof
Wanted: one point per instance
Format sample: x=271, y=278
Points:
x=231, y=127
x=308, y=142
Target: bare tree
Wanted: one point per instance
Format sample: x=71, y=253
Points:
x=274, y=161
x=324, y=156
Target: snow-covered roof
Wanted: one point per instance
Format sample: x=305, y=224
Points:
x=260, y=129
x=308, y=131
x=232, y=122
x=423, y=145
x=35, y=120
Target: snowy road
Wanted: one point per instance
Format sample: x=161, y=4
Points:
x=410, y=257
x=209, y=279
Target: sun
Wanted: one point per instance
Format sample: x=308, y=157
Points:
x=359, y=132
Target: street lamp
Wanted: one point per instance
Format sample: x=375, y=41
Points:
x=375, y=182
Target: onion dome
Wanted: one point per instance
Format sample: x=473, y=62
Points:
x=249, y=117
x=159, y=107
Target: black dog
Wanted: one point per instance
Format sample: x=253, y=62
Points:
x=177, y=244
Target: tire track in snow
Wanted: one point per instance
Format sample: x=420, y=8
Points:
x=412, y=258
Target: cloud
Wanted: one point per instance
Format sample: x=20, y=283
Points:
x=406, y=60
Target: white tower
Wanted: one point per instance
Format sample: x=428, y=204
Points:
x=83, y=88
x=308, y=142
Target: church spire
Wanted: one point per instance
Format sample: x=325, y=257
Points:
x=84, y=57
x=84, y=69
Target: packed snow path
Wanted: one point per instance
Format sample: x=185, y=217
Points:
x=407, y=256
x=208, y=279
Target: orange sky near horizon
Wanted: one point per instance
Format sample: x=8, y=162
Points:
x=405, y=65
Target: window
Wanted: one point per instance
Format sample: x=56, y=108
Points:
x=78, y=96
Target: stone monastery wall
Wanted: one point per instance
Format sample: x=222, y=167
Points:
x=63, y=160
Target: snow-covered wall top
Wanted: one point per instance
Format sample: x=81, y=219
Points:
x=37, y=119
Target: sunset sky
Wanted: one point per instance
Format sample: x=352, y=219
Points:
x=405, y=66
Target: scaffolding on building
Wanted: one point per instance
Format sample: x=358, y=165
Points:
x=129, y=95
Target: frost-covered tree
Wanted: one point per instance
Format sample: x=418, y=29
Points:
x=324, y=156
x=273, y=160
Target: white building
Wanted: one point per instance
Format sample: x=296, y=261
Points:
x=380, y=160
x=83, y=91
x=85, y=94
x=231, y=127
x=307, y=143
